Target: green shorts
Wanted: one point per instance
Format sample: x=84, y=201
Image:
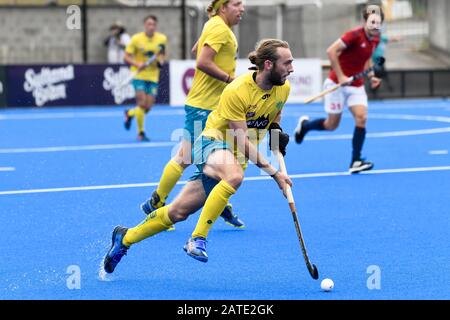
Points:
x=149, y=87
x=194, y=122
x=202, y=148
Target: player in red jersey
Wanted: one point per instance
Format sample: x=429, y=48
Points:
x=349, y=55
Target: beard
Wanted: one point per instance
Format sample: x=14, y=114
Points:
x=275, y=77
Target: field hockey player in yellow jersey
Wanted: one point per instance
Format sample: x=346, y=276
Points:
x=216, y=52
x=143, y=46
x=248, y=107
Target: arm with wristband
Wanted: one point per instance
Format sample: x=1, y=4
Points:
x=207, y=65
x=250, y=151
x=233, y=108
x=375, y=82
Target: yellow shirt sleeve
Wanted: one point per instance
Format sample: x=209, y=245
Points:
x=231, y=106
x=131, y=47
x=216, y=37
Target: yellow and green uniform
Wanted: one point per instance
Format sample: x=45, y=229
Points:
x=206, y=90
x=242, y=100
x=204, y=94
x=142, y=47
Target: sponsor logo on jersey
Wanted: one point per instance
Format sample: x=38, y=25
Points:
x=261, y=123
x=280, y=105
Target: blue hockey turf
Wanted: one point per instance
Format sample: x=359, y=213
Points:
x=68, y=176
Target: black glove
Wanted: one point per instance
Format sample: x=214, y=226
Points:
x=162, y=49
x=283, y=138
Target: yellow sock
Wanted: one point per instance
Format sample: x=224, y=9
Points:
x=214, y=205
x=132, y=112
x=156, y=222
x=169, y=178
x=140, y=118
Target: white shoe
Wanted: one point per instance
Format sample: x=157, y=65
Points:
x=299, y=135
x=360, y=165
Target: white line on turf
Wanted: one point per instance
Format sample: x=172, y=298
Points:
x=256, y=178
x=320, y=137
x=83, y=114
x=178, y=110
x=90, y=147
x=379, y=134
x=438, y=152
x=7, y=169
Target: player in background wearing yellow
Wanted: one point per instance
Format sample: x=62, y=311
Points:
x=216, y=53
x=248, y=107
x=144, y=45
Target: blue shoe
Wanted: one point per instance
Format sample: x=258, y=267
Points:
x=117, y=250
x=196, y=248
x=230, y=218
x=127, y=121
x=143, y=137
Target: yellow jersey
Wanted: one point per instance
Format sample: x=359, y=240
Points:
x=244, y=100
x=206, y=90
x=143, y=47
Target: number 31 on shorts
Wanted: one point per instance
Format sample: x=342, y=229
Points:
x=335, y=106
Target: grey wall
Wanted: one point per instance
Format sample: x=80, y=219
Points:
x=311, y=31
x=308, y=29
x=439, y=11
x=37, y=35
x=40, y=35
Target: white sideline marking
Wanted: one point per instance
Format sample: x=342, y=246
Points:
x=7, y=169
x=257, y=178
x=85, y=114
x=179, y=110
x=381, y=134
x=320, y=137
x=136, y=145
x=438, y=152
x=91, y=147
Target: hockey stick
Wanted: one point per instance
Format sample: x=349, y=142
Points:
x=133, y=74
x=350, y=80
x=311, y=267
